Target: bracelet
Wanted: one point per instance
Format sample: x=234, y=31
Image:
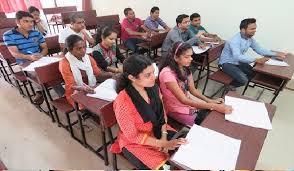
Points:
x=164, y=132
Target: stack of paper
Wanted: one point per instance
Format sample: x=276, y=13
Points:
x=248, y=113
x=41, y=62
x=105, y=91
x=198, y=50
x=276, y=62
x=207, y=149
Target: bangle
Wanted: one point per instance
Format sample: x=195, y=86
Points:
x=164, y=132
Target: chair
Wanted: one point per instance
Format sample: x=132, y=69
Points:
x=2, y=15
x=206, y=58
x=5, y=25
x=53, y=45
x=107, y=121
x=154, y=44
x=221, y=77
x=55, y=19
x=49, y=76
x=18, y=77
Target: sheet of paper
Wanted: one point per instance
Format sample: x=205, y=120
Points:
x=198, y=50
x=105, y=91
x=248, y=113
x=156, y=70
x=276, y=62
x=208, y=149
x=41, y=62
x=89, y=50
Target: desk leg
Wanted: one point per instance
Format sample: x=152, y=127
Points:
x=277, y=92
x=207, y=76
x=47, y=104
x=84, y=141
x=104, y=147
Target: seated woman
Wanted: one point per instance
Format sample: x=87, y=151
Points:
x=176, y=81
x=143, y=137
x=79, y=70
x=106, y=53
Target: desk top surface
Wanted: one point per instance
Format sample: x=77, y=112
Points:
x=252, y=138
x=285, y=73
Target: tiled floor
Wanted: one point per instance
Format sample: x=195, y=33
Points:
x=29, y=140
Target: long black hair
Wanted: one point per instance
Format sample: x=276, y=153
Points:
x=103, y=31
x=178, y=49
x=133, y=65
x=70, y=42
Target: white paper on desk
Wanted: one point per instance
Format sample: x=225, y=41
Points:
x=156, y=70
x=248, y=113
x=198, y=50
x=276, y=62
x=89, y=50
x=208, y=149
x=105, y=91
x=41, y=62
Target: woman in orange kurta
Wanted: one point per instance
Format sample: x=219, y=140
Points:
x=143, y=137
x=79, y=70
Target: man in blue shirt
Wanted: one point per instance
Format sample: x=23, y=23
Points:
x=27, y=44
x=233, y=60
x=24, y=43
x=153, y=21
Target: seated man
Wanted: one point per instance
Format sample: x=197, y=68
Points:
x=180, y=33
x=77, y=26
x=39, y=24
x=130, y=30
x=26, y=44
x=197, y=29
x=233, y=60
x=153, y=21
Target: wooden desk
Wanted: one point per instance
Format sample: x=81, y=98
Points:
x=252, y=139
x=93, y=105
x=273, y=77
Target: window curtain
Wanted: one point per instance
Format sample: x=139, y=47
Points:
x=9, y=6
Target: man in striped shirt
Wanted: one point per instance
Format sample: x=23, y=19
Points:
x=24, y=43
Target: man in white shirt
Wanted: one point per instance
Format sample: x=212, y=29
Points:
x=77, y=26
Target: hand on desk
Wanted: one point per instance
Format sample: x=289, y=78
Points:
x=261, y=60
x=202, y=46
x=35, y=57
x=87, y=89
x=222, y=108
x=172, y=144
x=281, y=55
x=217, y=101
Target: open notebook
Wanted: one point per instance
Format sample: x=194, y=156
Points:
x=105, y=91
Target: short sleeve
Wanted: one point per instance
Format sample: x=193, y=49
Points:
x=41, y=38
x=8, y=40
x=167, y=76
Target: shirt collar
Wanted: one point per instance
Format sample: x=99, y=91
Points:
x=243, y=36
x=17, y=32
x=181, y=31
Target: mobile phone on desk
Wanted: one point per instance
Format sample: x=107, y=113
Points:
x=181, y=134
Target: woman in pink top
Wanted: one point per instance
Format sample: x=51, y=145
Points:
x=176, y=81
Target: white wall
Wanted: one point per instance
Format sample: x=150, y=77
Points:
x=275, y=19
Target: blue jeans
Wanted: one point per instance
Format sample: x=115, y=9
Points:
x=131, y=43
x=241, y=73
